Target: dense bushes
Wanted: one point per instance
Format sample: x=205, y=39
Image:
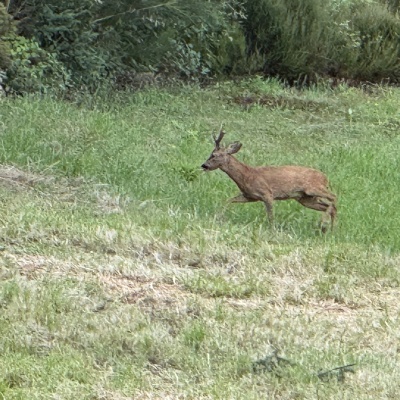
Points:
x=85, y=44
x=356, y=39
x=98, y=41
x=379, y=46
x=6, y=28
x=294, y=37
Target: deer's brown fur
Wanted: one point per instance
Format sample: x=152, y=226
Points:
x=306, y=185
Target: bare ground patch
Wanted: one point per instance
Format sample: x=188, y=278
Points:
x=15, y=178
x=271, y=101
x=155, y=277
x=61, y=189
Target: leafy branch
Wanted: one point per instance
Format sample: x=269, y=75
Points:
x=133, y=10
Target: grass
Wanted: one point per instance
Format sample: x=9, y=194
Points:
x=123, y=275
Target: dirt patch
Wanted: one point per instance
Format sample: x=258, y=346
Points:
x=71, y=190
x=34, y=266
x=13, y=177
x=135, y=288
x=131, y=289
x=281, y=102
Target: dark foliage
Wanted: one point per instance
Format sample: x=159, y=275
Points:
x=84, y=45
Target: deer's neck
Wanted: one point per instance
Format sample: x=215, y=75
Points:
x=237, y=171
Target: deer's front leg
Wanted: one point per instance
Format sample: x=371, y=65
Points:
x=240, y=198
x=268, y=206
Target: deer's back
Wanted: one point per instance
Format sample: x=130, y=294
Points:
x=290, y=181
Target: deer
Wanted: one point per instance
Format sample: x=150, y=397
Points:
x=306, y=185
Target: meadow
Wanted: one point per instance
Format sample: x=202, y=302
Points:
x=124, y=274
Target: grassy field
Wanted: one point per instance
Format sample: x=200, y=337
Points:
x=123, y=274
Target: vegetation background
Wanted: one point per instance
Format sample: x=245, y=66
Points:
x=61, y=45
x=123, y=273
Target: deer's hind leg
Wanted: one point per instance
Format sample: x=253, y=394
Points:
x=241, y=198
x=321, y=202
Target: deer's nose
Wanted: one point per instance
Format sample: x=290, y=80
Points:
x=204, y=166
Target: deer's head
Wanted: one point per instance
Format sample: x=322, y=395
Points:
x=220, y=155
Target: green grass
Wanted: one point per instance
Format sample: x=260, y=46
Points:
x=124, y=275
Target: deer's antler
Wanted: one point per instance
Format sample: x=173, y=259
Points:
x=219, y=138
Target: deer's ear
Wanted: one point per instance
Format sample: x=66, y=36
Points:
x=234, y=148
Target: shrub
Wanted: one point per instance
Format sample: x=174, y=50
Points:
x=305, y=39
x=379, y=48
x=97, y=41
x=32, y=69
x=293, y=37
x=6, y=28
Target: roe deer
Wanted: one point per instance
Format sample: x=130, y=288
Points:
x=306, y=185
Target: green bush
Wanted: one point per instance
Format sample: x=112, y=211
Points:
x=393, y=5
x=293, y=37
x=66, y=30
x=97, y=42
x=85, y=44
x=33, y=69
x=6, y=28
x=192, y=40
x=308, y=38
x=379, y=46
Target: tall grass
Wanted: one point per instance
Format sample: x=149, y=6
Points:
x=149, y=147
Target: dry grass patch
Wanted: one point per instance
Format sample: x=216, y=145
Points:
x=13, y=177
x=48, y=187
x=181, y=327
